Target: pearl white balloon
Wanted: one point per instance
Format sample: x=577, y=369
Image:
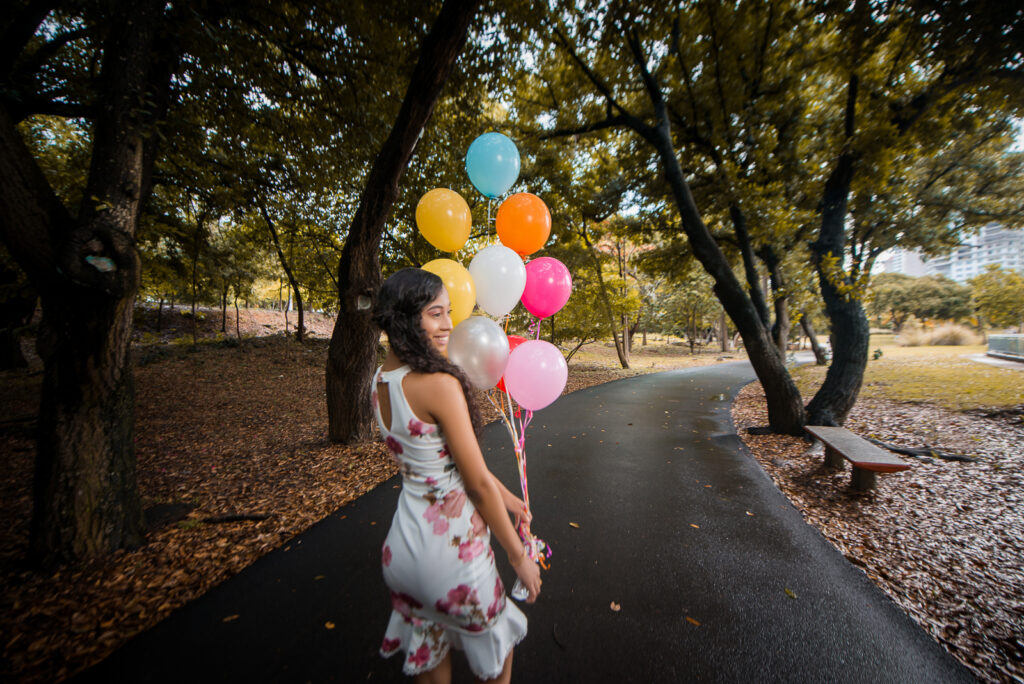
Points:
x=500, y=278
x=479, y=346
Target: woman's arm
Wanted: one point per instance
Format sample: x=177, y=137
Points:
x=449, y=410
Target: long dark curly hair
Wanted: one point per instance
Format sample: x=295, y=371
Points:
x=398, y=312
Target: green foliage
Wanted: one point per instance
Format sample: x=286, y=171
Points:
x=998, y=295
x=895, y=296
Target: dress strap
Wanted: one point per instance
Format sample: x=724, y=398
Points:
x=395, y=374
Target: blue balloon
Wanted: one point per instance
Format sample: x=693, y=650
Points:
x=492, y=162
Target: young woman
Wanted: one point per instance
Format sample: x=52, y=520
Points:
x=437, y=558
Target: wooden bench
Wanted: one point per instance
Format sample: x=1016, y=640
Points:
x=868, y=460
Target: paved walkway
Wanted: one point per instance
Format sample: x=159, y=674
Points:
x=718, y=577
x=996, y=361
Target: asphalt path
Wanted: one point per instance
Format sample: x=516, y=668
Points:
x=675, y=559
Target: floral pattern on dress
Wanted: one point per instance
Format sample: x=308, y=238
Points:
x=418, y=428
x=495, y=608
x=404, y=605
x=421, y=657
x=389, y=646
x=385, y=556
x=441, y=510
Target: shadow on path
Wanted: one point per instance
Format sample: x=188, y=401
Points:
x=676, y=521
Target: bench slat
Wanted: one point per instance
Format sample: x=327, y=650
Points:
x=861, y=453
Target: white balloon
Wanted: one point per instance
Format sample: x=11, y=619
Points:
x=500, y=278
x=480, y=347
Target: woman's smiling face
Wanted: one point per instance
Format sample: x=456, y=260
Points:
x=436, y=321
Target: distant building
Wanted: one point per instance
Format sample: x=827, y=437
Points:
x=992, y=245
x=901, y=261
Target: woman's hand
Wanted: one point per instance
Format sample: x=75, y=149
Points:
x=529, y=574
x=515, y=506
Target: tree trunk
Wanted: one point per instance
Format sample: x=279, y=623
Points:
x=620, y=350
x=782, y=325
x=238, y=328
x=86, y=269
x=352, y=352
x=785, y=408
x=850, y=330
x=293, y=282
x=723, y=333
x=224, y=311
x=160, y=315
x=16, y=310
x=86, y=500
x=754, y=289
x=820, y=357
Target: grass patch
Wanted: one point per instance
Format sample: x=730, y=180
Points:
x=932, y=375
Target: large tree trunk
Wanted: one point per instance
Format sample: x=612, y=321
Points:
x=87, y=273
x=850, y=330
x=785, y=408
x=353, y=348
x=86, y=500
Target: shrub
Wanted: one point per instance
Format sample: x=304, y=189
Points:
x=953, y=335
x=948, y=334
x=911, y=337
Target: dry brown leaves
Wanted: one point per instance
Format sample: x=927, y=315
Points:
x=942, y=539
x=228, y=431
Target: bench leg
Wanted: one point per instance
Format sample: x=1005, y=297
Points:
x=864, y=480
x=833, y=459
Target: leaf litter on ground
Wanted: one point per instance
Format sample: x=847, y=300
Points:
x=942, y=539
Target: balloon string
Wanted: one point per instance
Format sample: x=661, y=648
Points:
x=489, y=200
x=534, y=329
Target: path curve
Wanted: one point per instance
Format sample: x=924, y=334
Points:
x=717, y=576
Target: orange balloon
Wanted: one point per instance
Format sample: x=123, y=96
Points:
x=523, y=223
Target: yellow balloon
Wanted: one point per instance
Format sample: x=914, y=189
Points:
x=459, y=284
x=444, y=219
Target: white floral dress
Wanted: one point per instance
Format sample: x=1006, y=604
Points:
x=437, y=558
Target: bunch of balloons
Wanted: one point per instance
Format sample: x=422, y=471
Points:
x=533, y=372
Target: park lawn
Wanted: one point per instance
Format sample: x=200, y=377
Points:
x=940, y=375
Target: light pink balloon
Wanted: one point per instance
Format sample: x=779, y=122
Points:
x=548, y=286
x=536, y=374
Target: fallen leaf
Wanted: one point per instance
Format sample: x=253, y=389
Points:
x=230, y=618
x=576, y=525
x=329, y=625
x=790, y=593
x=616, y=607
x=749, y=513
x=696, y=527
x=692, y=621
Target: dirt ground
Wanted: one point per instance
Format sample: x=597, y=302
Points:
x=233, y=461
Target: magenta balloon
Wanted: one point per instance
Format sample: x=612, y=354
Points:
x=536, y=374
x=548, y=286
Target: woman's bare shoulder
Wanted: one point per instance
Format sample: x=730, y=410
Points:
x=440, y=382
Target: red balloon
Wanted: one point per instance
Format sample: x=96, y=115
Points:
x=513, y=342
